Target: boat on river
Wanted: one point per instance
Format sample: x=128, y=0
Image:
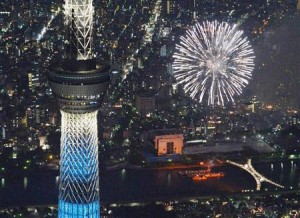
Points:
x=191, y=173
x=202, y=177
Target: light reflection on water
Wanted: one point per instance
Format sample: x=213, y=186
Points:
x=292, y=177
x=169, y=179
x=2, y=183
x=134, y=185
x=123, y=174
x=57, y=180
x=25, y=182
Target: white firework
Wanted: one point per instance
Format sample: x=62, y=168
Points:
x=213, y=61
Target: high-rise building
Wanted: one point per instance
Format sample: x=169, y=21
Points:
x=298, y=5
x=33, y=80
x=79, y=84
x=145, y=103
x=170, y=8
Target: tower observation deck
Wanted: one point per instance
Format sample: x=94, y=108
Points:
x=79, y=84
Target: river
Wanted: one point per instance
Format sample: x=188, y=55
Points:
x=143, y=185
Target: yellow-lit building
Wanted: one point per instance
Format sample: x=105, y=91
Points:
x=169, y=144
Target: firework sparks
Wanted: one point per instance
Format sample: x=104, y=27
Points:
x=213, y=62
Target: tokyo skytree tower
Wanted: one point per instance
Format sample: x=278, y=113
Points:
x=79, y=84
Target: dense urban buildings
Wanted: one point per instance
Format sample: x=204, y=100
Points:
x=137, y=39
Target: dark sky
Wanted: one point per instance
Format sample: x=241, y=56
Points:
x=278, y=81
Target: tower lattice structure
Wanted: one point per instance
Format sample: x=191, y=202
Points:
x=79, y=84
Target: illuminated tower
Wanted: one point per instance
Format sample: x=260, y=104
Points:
x=79, y=84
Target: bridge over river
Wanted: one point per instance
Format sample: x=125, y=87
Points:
x=259, y=178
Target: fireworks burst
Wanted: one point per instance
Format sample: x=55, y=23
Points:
x=213, y=61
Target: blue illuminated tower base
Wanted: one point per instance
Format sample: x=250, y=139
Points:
x=79, y=181
x=89, y=210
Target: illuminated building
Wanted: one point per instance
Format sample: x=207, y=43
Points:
x=2, y=132
x=169, y=144
x=298, y=5
x=253, y=104
x=173, y=7
x=170, y=8
x=79, y=84
x=167, y=141
x=33, y=80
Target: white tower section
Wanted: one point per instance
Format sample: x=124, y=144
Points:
x=79, y=34
x=79, y=184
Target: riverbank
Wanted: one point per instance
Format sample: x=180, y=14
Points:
x=171, y=199
x=188, y=163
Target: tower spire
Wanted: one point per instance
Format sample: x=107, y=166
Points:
x=79, y=29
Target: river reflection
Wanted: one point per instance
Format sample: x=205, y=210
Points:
x=139, y=185
x=25, y=182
